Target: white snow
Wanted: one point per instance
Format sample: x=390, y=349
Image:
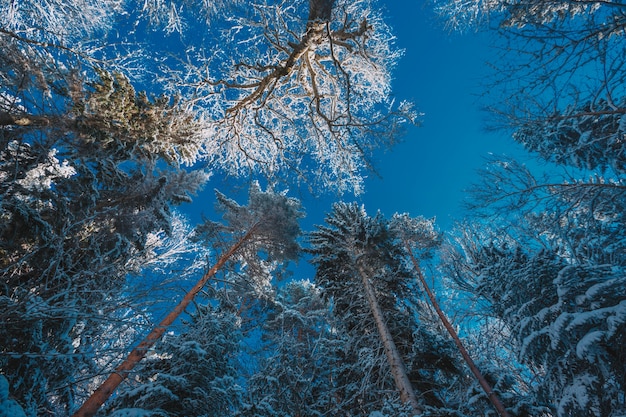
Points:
x=586, y=345
x=577, y=395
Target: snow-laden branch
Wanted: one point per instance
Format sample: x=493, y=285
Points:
x=292, y=93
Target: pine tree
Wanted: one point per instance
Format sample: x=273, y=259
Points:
x=187, y=374
x=418, y=238
x=76, y=214
x=266, y=227
x=356, y=266
x=360, y=267
x=294, y=368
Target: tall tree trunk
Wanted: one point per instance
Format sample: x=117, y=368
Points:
x=495, y=400
x=401, y=379
x=104, y=391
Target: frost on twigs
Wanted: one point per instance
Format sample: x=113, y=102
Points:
x=465, y=14
x=299, y=95
x=86, y=17
x=418, y=233
x=298, y=89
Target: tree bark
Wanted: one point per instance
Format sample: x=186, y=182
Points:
x=104, y=391
x=470, y=363
x=8, y=119
x=401, y=379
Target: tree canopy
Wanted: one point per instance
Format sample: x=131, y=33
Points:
x=114, y=114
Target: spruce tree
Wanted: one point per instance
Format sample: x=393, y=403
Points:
x=361, y=269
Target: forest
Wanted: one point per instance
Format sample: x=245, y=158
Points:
x=115, y=114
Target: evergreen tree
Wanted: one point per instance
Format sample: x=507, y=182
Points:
x=418, y=237
x=567, y=321
x=293, y=374
x=349, y=254
x=555, y=277
x=251, y=235
x=187, y=374
x=360, y=268
x=79, y=201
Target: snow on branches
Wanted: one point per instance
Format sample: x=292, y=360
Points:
x=289, y=93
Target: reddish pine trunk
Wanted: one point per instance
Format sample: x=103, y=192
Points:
x=104, y=391
x=479, y=376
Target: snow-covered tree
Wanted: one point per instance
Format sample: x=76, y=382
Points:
x=419, y=237
x=300, y=85
x=262, y=232
x=287, y=89
x=271, y=216
x=81, y=195
x=519, y=13
x=589, y=137
x=188, y=374
x=551, y=267
x=293, y=376
x=360, y=268
x=559, y=83
x=585, y=215
x=567, y=322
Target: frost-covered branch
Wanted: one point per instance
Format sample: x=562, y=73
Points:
x=301, y=93
x=559, y=75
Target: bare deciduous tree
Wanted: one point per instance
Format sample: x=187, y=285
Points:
x=297, y=91
x=559, y=79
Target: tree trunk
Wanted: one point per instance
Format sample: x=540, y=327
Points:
x=8, y=119
x=479, y=376
x=401, y=379
x=104, y=391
